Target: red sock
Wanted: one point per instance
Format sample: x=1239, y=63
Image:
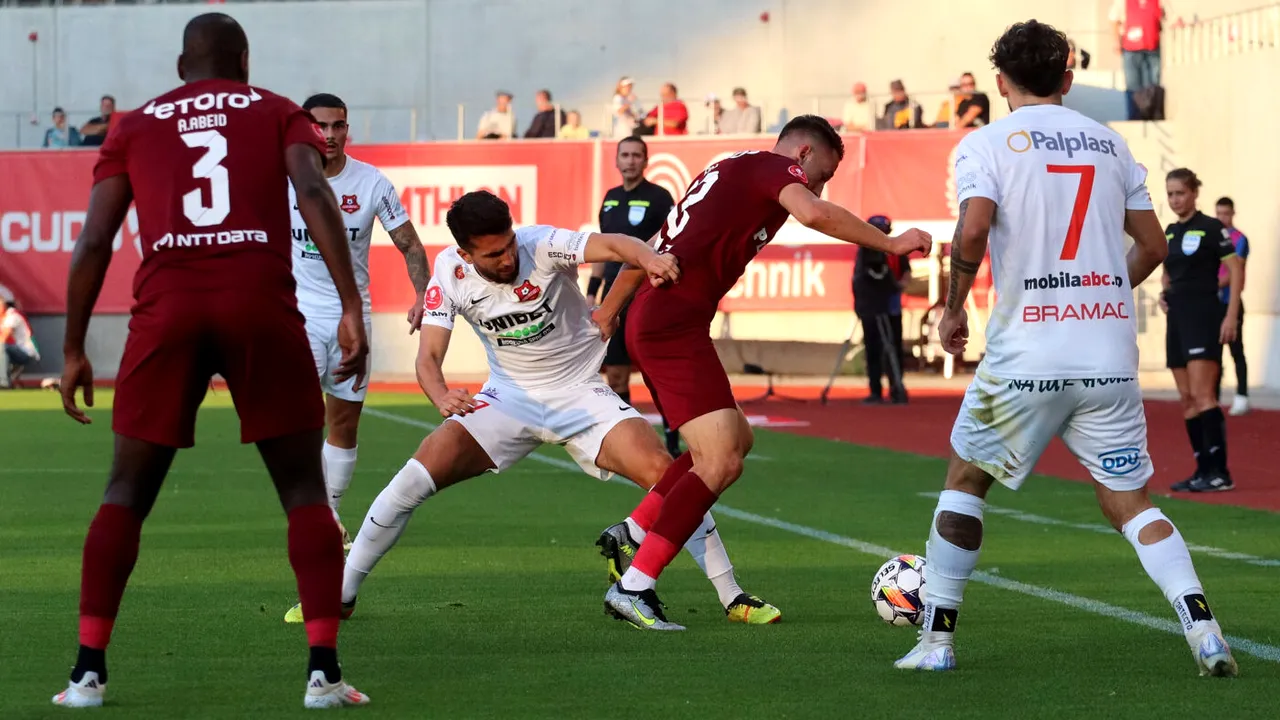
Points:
x=647, y=511
x=110, y=551
x=315, y=552
x=682, y=513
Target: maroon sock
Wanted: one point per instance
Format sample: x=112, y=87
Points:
x=647, y=511
x=110, y=551
x=682, y=513
x=315, y=552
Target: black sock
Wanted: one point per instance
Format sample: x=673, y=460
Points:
x=325, y=659
x=1195, y=433
x=90, y=660
x=626, y=396
x=1215, y=439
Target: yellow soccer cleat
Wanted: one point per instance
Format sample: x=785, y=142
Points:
x=751, y=610
x=295, y=613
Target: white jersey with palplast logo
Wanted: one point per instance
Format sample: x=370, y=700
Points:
x=363, y=193
x=1061, y=183
x=536, y=330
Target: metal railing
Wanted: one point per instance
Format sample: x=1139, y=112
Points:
x=1236, y=33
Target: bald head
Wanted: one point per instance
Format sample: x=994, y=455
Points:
x=214, y=46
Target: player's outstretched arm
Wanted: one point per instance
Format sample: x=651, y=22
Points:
x=108, y=202
x=433, y=343
x=407, y=242
x=1149, y=245
x=632, y=252
x=624, y=286
x=834, y=221
x=968, y=248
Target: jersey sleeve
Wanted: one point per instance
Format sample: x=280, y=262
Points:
x=560, y=250
x=390, y=212
x=300, y=127
x=438, y=308
x=775, y=172
x=112, y=157
x=1136, y=194
x=1226, y=243
x=1242, y=245
x=975, y=170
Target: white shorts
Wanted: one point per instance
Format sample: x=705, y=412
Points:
x=1005, y=425
x=323, y=335
x=510, y=423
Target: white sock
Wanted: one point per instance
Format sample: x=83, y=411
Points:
x=339, y=465
x=708, y=551
x=636, y=581
x=947, y=567
x=633, y=527
x=1168, y=563
x=386, y=520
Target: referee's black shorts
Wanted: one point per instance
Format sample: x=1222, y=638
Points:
x=617, y=354
x=1192, y=330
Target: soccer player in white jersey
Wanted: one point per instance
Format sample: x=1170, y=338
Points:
x=1054, y=193
x=363, y=193
x=518, y=289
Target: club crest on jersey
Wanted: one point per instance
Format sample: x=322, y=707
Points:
x=435, y=298
x=798, y=172
x=459, y=273
x=1191, y=241
x=527, y=292
x=350, y=204
x=635, y=214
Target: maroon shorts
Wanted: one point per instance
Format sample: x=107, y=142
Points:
x=178, y=341
x=673, y=350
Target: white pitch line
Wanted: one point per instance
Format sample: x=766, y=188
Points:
x=1108, y=530
x=1256, y=649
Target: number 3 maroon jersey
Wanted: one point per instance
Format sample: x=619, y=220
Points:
x=729, y=213
x=206, y=162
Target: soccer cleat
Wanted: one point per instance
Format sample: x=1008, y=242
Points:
x=618, y=548
x=641, y=609
x=322, y=694
x=86, y=693
x=1185, y=485
x=346, y=538
x=295, y=613
x=1217, y=482
x=1213, y=656
x=751, y=610
x=935, y=657
x=1239, y=406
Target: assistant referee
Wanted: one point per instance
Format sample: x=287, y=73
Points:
x=1199, y=325
x=637, y=208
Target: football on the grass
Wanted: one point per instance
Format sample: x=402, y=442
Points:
x=898, y=590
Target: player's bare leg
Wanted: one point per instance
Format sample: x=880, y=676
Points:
x=110, y=551
x=1164, y=556
x=315, y=552
x=955, y=539
x=632, y=450
x=342, y=419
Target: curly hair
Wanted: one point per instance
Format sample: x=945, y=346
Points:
x=1033, y=56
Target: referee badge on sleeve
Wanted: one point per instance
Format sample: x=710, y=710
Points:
x=1191, y=241
x=635, y=214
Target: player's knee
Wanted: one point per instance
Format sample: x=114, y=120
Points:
x=719, y=471
x=410, y=487
x=963, y=531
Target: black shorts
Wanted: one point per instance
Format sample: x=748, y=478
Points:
x=1192, y=332
x=617, y=354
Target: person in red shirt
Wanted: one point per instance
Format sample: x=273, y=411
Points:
x=207, y=165
x=730, y=212
x=675, y=115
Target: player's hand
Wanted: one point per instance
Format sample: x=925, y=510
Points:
x=455, y=402
x=953, y=329
x=355, y=349
x=607, y=322
x=661, y=268
x=77, y=372
x=1227, y=334
x=415, y=316
x=911, y=241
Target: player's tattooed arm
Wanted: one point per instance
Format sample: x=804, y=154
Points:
x=968, y=247
x=406, y=240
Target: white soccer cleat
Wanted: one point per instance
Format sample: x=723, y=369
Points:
x=935, y=657
x=322, y=694
x=1213, y=655
x=86, y=693
x=1239, y=406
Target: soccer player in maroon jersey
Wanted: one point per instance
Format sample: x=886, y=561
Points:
x=731, y=211
x=207, y=165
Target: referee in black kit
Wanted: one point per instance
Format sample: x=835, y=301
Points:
x=877, y=301
x=1199, y=325
x=637, y=208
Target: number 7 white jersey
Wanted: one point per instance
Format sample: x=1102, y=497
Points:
x=1061, y=183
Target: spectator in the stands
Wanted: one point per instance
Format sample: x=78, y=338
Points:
x=742, y=118
x=500, y=122
x=626, y=109
x=947, y=110
x=61, y=135
x=1077, y=57
x=714, y=112
x=95, y=131
x=544, y=124
x=17, y=348
x=1137, y=25
x=858, y=115
x=901, y=112
x=572, y=128
x=675, y=114
x=974, y=108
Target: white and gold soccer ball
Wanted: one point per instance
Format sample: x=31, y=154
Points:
x=897, y=590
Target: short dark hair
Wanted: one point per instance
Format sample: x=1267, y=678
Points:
x=59, y=110
x=739, y=91
x=815, y=128
x=324, y=100
x=108, y=97
x=1033, y=56
x=1225, y=201
x=546, y=93
x=634, y=139
x=1185, y=176
x=477, y=213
